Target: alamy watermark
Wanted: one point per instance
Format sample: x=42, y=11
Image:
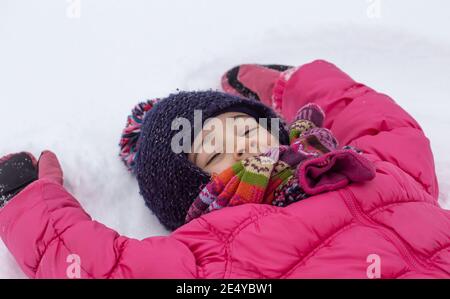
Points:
x=374, y=268
x=73, y=9
x=73, y=270
x=222, y=136
x=373, y=10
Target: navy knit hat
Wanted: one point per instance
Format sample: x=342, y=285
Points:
x=168, y=181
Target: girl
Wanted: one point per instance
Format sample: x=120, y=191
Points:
x=331, y=234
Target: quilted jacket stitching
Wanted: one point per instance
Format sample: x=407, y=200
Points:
x=317, y=248
x=58, y=236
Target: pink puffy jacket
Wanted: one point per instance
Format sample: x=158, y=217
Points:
x=394, y=219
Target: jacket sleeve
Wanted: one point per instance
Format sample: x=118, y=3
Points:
x=51, y=236
x=360, y=116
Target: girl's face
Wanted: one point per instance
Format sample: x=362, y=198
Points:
x=227, y=139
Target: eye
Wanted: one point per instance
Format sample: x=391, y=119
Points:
x=247, y=132
x=213, y=157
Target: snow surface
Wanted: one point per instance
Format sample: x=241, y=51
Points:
x=67, y=84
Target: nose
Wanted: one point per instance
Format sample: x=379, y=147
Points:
x=245, y=150
x=239, y=155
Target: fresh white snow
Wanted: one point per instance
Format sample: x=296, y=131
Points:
x=67, y=83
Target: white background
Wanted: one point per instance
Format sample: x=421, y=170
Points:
x=67, y=82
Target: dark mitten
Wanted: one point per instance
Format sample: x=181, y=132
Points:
x=16, y=172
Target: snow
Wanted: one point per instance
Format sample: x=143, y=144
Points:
x=67, y=83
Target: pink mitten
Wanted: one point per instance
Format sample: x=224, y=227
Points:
x=49, y=167
x=334, y=170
